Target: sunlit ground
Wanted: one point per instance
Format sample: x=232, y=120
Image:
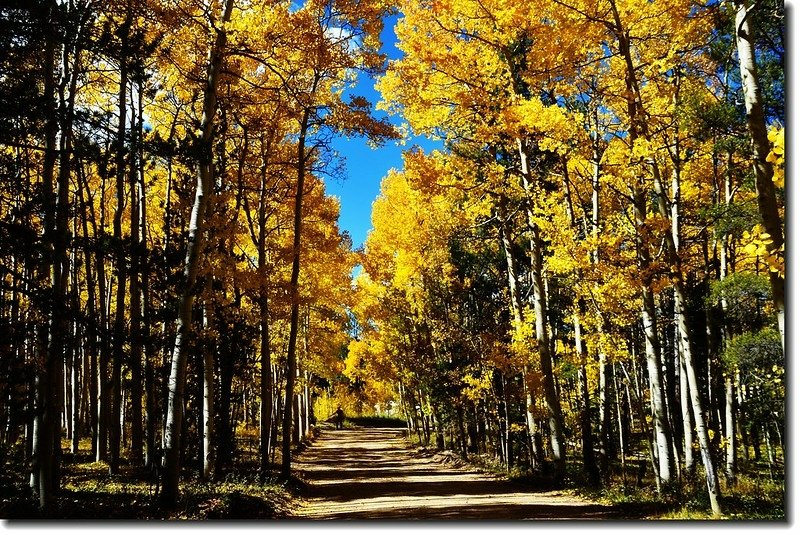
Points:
x=360, y=473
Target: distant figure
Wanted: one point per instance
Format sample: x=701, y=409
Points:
x=338, y=418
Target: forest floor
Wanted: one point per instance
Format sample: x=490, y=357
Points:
x=373, y=473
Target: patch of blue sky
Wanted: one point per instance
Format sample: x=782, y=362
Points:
x=366, y=166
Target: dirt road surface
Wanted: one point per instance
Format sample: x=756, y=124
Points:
x=373, y=474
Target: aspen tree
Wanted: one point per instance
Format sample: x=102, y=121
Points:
x=205, y=170
x=763, y=169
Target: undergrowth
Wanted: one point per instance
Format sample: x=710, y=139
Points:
x=89, y=492
x=754, y=496
x=750, y=498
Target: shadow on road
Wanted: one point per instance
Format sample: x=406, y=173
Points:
x=372, y=474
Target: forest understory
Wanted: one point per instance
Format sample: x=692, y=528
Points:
x=89, y=492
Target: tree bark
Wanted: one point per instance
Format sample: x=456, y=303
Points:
x=67, y=91
x=730, y=431
x=136, y=199
x=516, y=310
x=76, y=381
x=103, y=400
x=688, y=428
x=208, y=394
x=663, y=432
x=683, y=335
x=556, y=418
x=177, y=378
x=46, y=354
x=92, y=345
x=266, y=386
x=150, y=393
x=225, y=444
x=555, y=415
x=606, y=431
x=121, y=265
x=587, y=439
x=725, y=268
x=765, y=188
x=294, y=292
x=266, y=379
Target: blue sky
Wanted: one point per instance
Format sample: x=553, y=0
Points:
x=364, y=166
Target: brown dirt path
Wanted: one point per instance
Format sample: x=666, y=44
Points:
x=373, y=474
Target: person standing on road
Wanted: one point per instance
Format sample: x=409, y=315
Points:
x=338, y=418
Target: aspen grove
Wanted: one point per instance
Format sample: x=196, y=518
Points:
x=583, y=283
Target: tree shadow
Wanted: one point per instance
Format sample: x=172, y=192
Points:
x=491, y=512
x=347, y=479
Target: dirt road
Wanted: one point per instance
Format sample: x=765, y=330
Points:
x=372, y=474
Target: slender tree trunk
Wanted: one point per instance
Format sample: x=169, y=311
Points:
x=505, y=427
x=46, y=353
x=730, y=431
x=462, y=435
x=556, y=418
x=606, y=438
x=555, y=415
x=635, y=402
x=770, y=455
x=121, y=264
x=516, y=310
x=304, y=416
x=663, y=432
x=102, y=370
x=756, y=124
x=679, y=351
x=621, y=436
x=266, y=378
x=265, y=433
x=604, y=408
x=587, y=439
x=67, y=91
x=136, y=198
x=150, y=389
x=208, y=394
x=653, y=350
x=225, y=443
x=177, y=378
x=688, y=427
x=437, y=421
x=151, y=413
x=730, y=393
x=76, y=381
x=296, y=423
x=307, y=403
x=277, y=409
x=687, y=355
x=473, y=428
x=683, y=336
x=92, y=345
x=59, y=345
x=294, y=292
x=712, y=481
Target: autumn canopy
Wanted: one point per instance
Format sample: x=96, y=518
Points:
x=588, y=275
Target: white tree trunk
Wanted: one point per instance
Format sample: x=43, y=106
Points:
x=556, y=417
x=730, y=431
x=177, y=378
x=208, y=400
x=516, y=311
x=765, y=188
x=688, y=428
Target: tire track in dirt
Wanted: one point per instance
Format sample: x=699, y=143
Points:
x=373, y=474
